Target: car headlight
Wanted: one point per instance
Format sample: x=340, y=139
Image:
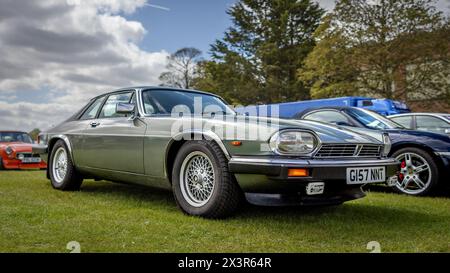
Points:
x=9, y=150
x=387, y=144
x=43, y=139
x=293, y=142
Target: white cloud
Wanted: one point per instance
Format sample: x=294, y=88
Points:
x=73, y=50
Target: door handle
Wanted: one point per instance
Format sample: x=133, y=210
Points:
x=94, y=124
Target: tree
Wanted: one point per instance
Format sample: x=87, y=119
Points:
x=384, y=48
x=258, y=57
x=34, y=134
x=182, y=68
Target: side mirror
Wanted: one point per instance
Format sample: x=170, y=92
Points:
x=125, y=108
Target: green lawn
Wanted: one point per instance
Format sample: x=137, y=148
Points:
x=107, y=217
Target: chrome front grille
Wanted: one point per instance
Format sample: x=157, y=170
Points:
x=348, y=150
x=337, y=150
x=370, y=150
x=26, y=155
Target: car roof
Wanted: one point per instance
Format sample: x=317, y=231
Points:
x=150, y=87
x=312, y=109
x=420, y=114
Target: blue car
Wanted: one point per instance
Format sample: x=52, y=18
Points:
x=383, y=107
x=424, y=156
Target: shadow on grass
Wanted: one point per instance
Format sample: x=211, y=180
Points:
x=362, y=214
x=443, y=192
x=127, y=191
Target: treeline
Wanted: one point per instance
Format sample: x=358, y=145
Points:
x=287, y=50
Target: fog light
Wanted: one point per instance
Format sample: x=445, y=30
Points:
x=20, y=157
x=297, y=172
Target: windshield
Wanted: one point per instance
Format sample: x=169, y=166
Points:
x=15, y=137
x=372, y=120
x=170, y=101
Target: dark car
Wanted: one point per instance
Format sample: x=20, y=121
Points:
x=424, y=156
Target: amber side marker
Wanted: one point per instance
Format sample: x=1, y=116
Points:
x=236, y=143
x=297, y=172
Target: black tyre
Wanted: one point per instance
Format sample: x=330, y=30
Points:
x=419, y=174
x=1, y=163
x=63, y=174
x=202, y=183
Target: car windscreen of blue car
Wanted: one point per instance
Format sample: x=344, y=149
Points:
x=372, y=120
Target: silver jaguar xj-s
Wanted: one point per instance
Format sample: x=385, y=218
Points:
x=211, y=158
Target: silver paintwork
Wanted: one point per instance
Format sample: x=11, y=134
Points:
x=136, y=150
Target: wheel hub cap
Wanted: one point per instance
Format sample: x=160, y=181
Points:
x=197, y=179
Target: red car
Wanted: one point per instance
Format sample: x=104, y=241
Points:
x=16, y=152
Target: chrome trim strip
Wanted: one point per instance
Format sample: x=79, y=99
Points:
x=443, y=153
x=312, y=162
x=209, y=134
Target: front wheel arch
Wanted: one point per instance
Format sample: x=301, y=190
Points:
x=425, y=148
x=175, y=145
x=51, y=144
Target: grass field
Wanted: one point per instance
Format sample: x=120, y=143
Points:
x=106, y=217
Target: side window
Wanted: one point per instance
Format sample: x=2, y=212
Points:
x=333, y=117
x=433, y=124
x=404, y=121
x=91, y=111
x=109, y=109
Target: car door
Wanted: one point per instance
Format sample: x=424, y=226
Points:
x=113, y=141
x=431, y=124
x=76, y=127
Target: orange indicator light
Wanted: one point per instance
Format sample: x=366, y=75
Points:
x=297, y=172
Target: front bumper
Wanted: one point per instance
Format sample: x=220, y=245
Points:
x=319, y=170
x=267, y=178
x=16, y=164
x=41, y=150
x=444, y=168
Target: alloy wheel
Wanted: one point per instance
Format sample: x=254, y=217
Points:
x=59, y=165
x=415, y=173
x=197, y=179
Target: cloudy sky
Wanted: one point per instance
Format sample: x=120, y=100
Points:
x=56, y=54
